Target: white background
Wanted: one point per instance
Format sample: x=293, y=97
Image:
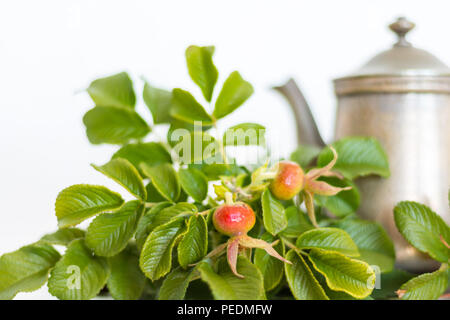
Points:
x=49, y=50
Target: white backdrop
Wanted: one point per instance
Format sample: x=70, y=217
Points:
x=51, y=49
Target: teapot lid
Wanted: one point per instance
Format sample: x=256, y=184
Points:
x=402, y=60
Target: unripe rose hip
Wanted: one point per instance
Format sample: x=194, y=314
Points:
x=288, y=181
x=234, y=219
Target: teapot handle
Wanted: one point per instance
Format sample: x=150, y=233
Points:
x=307, y=132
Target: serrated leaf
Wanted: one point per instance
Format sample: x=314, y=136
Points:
x=159, y=102
x=194, y=244
x=427, y=286
x=374, y=245
x=270, y=267
x=26, y=269
x=303, y=284
x=225, y=285
x=423, y=228
x=201, y=69
x=114, y=125
x=304, y=155
x=187, y=109
x=274, y=217
x=109, y=233
x=245, y=134
x=343, y=203
x=81, y=201
x=181, y=209
x=79, y=275
x=151, y=153
x=63, y=236
x=357, y=156
x=153, y=195
x=194, y=182
x=344, y=274
x=165, y=180
x=156, y=255
x=297, y=223
x=331, y=239
x=126, y=281
x=234, y=93
x=175, y=284
x=125, y=174
x=113, y=91
x=145, y=225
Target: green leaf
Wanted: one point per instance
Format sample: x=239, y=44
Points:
x=427, y=286
x=374, y=245
x=234, y=93
x=344, y=274
x=145, y=225
x=179, y=128
x=156, y=255
x=109, y=233
x=114, y=125
x=153, y=195
x=297, y=223
x=201, y=69
x=151, y=153
x=271, y=268
x=304, y=155
x=175, y=284
x=81, y=201
x=194, y=244
x=113, y=91
x=79, y=275
x=186, y=108
x=345, y=202
x=165, y=180
x=331, y=239
x=214, y=171
x=274, y=217
x=63, y=236
x=26, y=269
x=194, y=182
x=303, y=284
x=245, y=134
x=159, y=102
x=181, y=209
x=389, y=284
x=423, y=228
x=198, y=147
x=125, y=174
x=357, y=156
x=226, y=286
x=127, y=280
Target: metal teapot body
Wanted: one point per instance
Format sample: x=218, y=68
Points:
x=402, y=98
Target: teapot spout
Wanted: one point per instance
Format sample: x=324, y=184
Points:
x=307, y=132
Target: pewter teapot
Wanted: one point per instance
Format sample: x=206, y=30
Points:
x=402, y=98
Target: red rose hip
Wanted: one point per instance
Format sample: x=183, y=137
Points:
x=234, y=219
x=288, y=181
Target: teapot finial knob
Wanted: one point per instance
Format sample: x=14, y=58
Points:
x=401, y=27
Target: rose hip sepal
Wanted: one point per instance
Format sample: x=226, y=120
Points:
x=235, y=220
x=312, y=186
